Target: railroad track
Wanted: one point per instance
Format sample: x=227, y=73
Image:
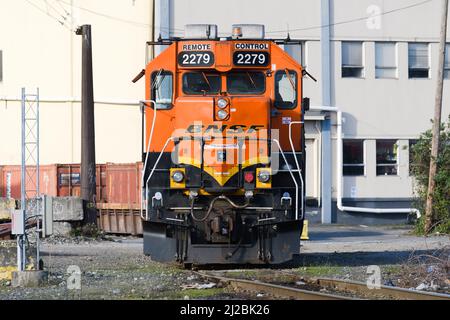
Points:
x=341, y=289
x=384, y=292
x=272, y=289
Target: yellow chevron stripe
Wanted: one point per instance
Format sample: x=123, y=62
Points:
x=219, y=176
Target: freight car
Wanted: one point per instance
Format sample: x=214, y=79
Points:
x=224, y=152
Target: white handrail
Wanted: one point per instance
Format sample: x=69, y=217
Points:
x=293, y=178
x=296, y=163
x=143, y=102
x=153, y=170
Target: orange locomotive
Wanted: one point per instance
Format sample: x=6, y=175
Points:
x=224, y=162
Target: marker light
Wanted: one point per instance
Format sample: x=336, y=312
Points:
x=222, y=103
x=222, y=114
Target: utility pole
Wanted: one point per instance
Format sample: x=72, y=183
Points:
x=88, y=168
x=429, y=218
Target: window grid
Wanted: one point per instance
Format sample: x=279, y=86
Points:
x=386, y=60
x=352, y=59
x=387, y=157
x=418, y=60
x=353, y=157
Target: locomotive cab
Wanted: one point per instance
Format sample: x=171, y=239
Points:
x=224, y=162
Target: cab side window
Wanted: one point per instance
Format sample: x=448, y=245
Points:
x=162, y=89
x=285, y=89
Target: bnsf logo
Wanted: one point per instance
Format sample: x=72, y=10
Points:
x=237, y=128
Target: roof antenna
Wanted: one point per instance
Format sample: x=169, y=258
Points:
x=160, y=38
x=208, y=31
x=288, y=38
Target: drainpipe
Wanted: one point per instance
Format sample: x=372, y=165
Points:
x=339, y=174
x=326, y=172
x=161, y=22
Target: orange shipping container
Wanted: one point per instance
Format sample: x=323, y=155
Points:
x=54, y=180
x=11, y=177
x=123, y=183
x=116, y=183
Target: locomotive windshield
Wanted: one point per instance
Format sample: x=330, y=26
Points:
x=201, y=83
x=245, y=82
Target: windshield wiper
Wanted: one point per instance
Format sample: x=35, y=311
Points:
x=290, y=79
x=156, y=84
x=251, y=79
x=206, y=80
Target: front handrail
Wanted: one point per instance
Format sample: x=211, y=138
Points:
x=296, y=163
x=153, y=170
x=292, y=176
x=148, y=147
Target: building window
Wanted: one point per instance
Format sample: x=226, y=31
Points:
x=446, y=68
x=352, y=59
x=387, y=157
x=162, y=89
x=385, y=60
x=412, y=142
x=296, y=52
x=419, y=62
x=353, y=157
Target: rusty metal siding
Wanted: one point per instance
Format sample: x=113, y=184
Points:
x=123, y=183
x=12, y=184
x=119, y=218
x=118, y=191
x=58, y=180
x=69, y=179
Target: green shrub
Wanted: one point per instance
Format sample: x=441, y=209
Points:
x=421, y=153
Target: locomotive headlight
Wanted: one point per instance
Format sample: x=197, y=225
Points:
x=264, y=176
x=222, y=103
x=177, y=176
x=222, y=114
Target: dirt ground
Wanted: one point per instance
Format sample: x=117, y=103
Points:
x=115, y=268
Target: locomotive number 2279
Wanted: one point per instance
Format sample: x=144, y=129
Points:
x=196, y=59
x=250, y=58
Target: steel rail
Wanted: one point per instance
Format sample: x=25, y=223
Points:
x=385, y=291
x=273, y=289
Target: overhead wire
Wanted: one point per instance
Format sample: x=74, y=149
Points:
x=49, y=5
x=179, y=30
x=61, y=22
x=353, y=20
x=138, y=24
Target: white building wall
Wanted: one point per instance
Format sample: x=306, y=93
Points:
x=372, y=108
x=40, y=52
